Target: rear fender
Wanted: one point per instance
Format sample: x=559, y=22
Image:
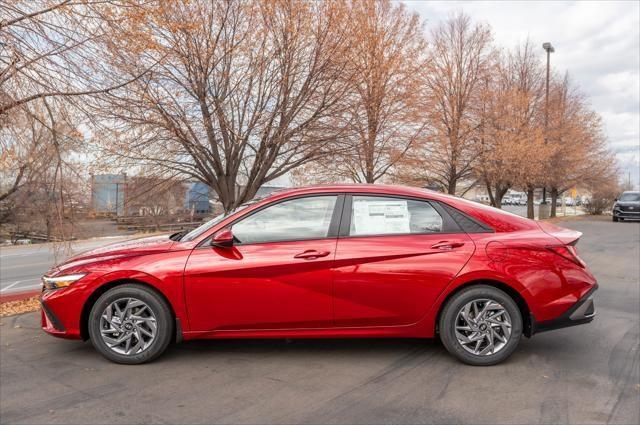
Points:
x=428, y=324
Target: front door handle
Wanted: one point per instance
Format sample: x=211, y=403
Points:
x=446, y=245
x=311, y=254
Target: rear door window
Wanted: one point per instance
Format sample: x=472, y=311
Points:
x=377, y=215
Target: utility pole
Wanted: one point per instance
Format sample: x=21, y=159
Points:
x=549, y=48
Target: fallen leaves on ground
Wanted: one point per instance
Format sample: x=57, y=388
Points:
x=10, y=308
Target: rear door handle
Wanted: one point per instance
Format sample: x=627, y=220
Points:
x=446, y=245
x=311, y=254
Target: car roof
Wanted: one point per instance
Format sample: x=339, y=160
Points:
x=354, y=188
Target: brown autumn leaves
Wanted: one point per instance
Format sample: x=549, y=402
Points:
x=238, y=93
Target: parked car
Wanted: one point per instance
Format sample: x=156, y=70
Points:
x=329, y=261
x=627, y=206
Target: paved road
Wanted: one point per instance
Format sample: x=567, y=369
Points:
x=586, y=374
x=22, y=266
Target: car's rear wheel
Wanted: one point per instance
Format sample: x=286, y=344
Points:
x=130, y=324
x=481, y=325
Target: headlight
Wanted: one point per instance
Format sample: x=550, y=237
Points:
x=61, y=281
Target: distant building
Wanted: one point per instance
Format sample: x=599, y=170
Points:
x=197, y=198
x=119, y=195
x=108, y=194
x=201, y=199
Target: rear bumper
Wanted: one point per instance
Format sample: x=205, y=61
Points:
x=583, y=311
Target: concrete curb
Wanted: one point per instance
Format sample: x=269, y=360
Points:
x=18, y=296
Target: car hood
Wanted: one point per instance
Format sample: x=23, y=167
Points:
x=628, y=204
x=141, y=246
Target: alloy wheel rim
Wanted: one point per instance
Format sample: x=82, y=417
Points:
x=483, y=327
x=128, y=326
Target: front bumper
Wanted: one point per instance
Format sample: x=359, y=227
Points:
x=61, y=310
x=583, y=311
x=50, y=322
x=633, y=215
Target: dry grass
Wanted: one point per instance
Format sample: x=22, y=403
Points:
x=10, y=308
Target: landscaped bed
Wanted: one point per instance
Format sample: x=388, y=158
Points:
x=9, y=308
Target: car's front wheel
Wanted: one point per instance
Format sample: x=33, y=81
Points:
x=615, y=219
x=130, y=324
x=481, y=325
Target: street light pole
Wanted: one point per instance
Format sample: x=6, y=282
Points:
x=549, y=48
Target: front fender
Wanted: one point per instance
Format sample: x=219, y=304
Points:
x=171, y=288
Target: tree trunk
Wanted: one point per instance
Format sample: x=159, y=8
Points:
x=495, y=197
x=492, y=200
x=368, y=178
x=554, y=201
x=530, y=212
x=48, y=224
x=451, y=190
x=16, y=183
x=500, y=192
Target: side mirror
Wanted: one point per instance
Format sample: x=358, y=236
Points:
x=222, y=239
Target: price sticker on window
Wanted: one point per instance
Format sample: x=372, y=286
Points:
x=374, y=217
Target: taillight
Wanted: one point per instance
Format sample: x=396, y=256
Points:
x=568, y=252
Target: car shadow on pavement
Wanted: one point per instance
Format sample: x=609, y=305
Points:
x=307, y=346
x=348, y=349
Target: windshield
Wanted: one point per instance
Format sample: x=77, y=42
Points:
x=209, y=224
x=629, y=197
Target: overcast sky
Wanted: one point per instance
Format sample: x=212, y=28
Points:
x=598, y=43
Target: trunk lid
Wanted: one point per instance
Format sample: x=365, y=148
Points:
x=562, y=234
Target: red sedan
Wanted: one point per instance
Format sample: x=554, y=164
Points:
x=331, y=261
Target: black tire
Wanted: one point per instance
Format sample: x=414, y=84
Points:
x=449, y=317
x=160, y=309
x=615, y=218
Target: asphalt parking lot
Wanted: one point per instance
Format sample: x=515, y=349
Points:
x=585, y=374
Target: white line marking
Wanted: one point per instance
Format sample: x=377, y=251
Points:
x=10, y=286
x=26, y=287
x=20, y=255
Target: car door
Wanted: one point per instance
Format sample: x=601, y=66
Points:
x=277, y=275
x=394, y=256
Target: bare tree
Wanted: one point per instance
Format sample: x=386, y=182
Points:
x=580, y=155
x=384, y=115
x=50, y=49
x=39, y=146
x=512, y=151
x=243, y=92
x=460, y=56
x=48, y=56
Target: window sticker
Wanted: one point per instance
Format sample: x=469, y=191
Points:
x=380, y=217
